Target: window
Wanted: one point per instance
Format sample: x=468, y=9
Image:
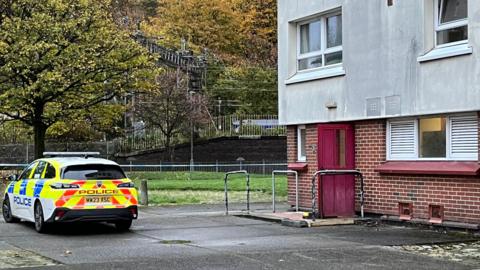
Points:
x=93, y=172
x=39, y=170
x=50, y=172
x=443, y=138
x=27, y=172
x=451, y=23
x=432, y=137
x=341, y=161
x=320, y=42
x=301, y=146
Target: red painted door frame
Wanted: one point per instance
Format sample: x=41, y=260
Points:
x=337, y=192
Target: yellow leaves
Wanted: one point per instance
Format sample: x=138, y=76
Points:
x=232, y=29
x=202, y=23
x=64, y=58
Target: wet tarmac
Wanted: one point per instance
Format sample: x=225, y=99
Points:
x=202, y=237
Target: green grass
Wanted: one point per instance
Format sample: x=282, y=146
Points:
x=182, y=197
x=210, y=182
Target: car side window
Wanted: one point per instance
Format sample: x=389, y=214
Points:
x=26, y=173
x=39, y=170
x=50, y=172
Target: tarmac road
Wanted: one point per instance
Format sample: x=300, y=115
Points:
x=201, y=237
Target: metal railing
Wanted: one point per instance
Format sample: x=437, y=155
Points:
x=253, y=167
x=247, y=175
x=247, y=126
x=319, y=174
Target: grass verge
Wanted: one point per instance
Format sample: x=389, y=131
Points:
x=185, y=197
x=170, y=188
x=210, y=182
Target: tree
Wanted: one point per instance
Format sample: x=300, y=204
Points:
x=104, y=121
x=203, y=24
x=130, y=13
x=255, y=89
x=169, y=107
x=258, y=29
x=240, y=34
x=61, y=56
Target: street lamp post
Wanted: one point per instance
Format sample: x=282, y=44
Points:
x=192, y=127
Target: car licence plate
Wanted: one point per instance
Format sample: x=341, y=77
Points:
x=97, y=199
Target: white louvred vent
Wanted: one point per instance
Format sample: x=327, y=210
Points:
x=464, y=137
x=402, y=139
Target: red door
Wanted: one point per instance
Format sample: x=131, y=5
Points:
x=336, y=151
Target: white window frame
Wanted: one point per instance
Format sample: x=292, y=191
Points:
x=445, y=26
x=416, y=156
x=299, y=144
x=323, y=42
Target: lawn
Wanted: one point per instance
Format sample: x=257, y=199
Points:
x=206, y=187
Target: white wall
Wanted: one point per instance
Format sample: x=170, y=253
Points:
x=381, y=45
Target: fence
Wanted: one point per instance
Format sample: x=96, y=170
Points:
x=24, y=153
x=218, y=167
x=223, y=126
x=141, y=139
x=251, y=167
x=204, y=184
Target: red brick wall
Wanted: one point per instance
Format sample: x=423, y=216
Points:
x=460, y=196
x=304, y=178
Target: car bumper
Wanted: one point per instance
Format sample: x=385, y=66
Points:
x=98, y=215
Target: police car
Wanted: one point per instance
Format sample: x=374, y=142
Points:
x=71, y=187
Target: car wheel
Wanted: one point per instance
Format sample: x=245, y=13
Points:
x=7, y=212
x=40, y=225
x=123, y=225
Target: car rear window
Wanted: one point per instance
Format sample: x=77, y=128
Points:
x=93, y=172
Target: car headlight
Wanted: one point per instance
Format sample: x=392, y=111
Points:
x=64, y=186
x=126, y=185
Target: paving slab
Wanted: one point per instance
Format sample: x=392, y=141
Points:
x=12, y=257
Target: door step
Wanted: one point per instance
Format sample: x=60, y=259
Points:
x=294, y=219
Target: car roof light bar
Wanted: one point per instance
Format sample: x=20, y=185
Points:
x=71, y=154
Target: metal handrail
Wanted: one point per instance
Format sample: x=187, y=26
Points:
x=226, y=188
x=273, y=186
x=335, y=172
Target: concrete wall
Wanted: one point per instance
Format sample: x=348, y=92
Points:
x=380, y=46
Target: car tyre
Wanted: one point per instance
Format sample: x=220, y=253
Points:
x=40, y=225
x=7, y=212
x=123, y=225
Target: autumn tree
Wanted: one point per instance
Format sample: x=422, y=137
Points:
x=130, y=13
x=104, y=121
x=241, y=35
x=203, y=24
x=258, y=29
x=254, y=88
x=169, y=107
x=61, y=56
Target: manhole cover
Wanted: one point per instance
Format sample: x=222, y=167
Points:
x=175, y=242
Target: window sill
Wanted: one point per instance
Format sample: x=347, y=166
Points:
x=430, y=168
x=446, y=52
x=298, y=166
x=327, y=72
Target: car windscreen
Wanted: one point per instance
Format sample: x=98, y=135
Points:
x=93, y=172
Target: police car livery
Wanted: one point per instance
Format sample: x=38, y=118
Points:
x=70, y=187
